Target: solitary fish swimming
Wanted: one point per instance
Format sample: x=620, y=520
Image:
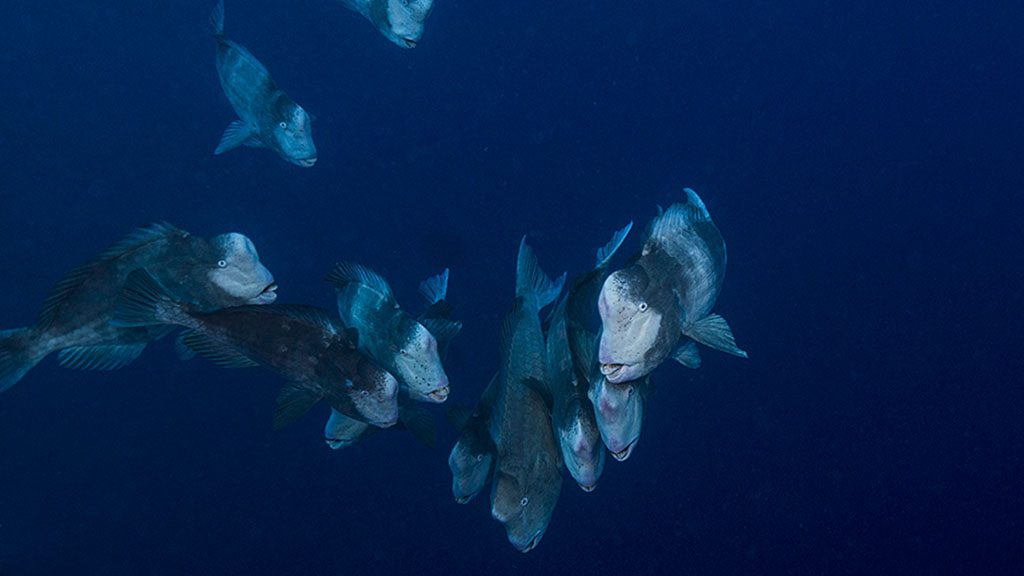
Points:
x=267, y=117
x=210, y=274
x=400, y=21
x=666, y=294
x=303, y=344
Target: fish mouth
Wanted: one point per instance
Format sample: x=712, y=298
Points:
x=439, y=395
x=409, y=42
x=587, y=488
x=306, y=162
x=267, y=295
x=531, y=544
x=621, y=455
x=612, y=371
x=464, y=499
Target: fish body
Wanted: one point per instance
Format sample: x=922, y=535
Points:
x=342, y=431
x=667, y=293
x=267, y=117
x=393, y=338
x=302, y=344
x=527, y=475
x=471, y=460
x=207, y=273
x=400, y=21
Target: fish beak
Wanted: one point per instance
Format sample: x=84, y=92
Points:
x=268, y=295
x=463, y=499
x=409, y=42
x=587, y=489
x=439, y=395
x=612, y=371
x=306, y=162
x=625, y=452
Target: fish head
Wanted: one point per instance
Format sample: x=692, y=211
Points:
x=236, y=273
x=418, y=363
x=405, y=21
x=374, y=392
x=619, y=414
x=293, y=134
x=470, y=469
x=342, y=431
x=632, y=325
x=526, y=519
x=582, y=450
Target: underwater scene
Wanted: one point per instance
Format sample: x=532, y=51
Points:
x=448, y=287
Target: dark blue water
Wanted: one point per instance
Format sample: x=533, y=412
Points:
x=863, y=161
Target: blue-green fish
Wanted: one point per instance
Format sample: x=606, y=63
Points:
x=267, y=117
x=400, y=21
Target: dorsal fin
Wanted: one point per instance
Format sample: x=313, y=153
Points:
x=313, y=315
x=605, y=253
x=530, y=279
x=443, y=331
x=134, y=241
x=345, y=273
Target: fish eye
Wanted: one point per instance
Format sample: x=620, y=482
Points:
x=629, y=391
x=403, y=352
x=479, y=457
x=643, y=306
x=524, y=501
x=282, y=124
x=222, y=263
x=364, y=393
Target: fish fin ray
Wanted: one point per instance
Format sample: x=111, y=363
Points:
x=235, y=135
x=530, y=279
x=345, y=273
x=102, y=357
x=217, y=19
x=144, y=302
x=220, y=353
x=292, y=403
x=443, y=331
x=605, y=253
x=714, y=332
x=687, y=355
x=184, y=352
x=435, y=288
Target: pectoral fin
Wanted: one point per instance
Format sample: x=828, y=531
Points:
x=687, y=355
x=236, y=134
x=714, y=332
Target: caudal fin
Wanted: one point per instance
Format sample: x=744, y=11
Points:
x=217, y=19
x=18, y=354
x=530, y=279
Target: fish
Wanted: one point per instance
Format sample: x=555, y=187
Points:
x=436, y=317
x=392, y=337
x=618, y=407
x=342, y=431
x=667, y=294
x=267, y=117
x=75, y=319
x=400, y=21
x=527, y=478
x=471, y=460
x=572, y=414
x=302, y=344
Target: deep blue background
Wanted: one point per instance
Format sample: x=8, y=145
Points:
x=862, y=159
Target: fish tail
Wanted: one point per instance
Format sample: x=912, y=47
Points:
x=530, y=279
x=143, y=302
x=19, y=352
x=217, y=19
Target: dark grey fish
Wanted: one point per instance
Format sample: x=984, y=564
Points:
x=666, y=294
x=267, y=117
x=342, y=431
x=209, y=274
x=472, y=458
x=527, y=473
x=400, y=21
x=572, y=414
x=303, y=344
x=392, y=337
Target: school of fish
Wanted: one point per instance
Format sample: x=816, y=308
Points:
x=571, y=386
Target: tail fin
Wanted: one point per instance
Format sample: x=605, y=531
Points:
x=18, y=354
x=217, y=18
x=530, y=279
x=143, y=302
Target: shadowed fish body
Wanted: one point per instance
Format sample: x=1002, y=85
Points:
x=668, y=293
x=400, y=21
x=342, y=431
x=209, y=274
x=303, y=344
x=472, y=458
x=527, y=475
x=267, y=117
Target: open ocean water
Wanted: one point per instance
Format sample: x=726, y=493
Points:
x=863, y=161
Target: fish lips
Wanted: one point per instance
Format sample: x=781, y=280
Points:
x=437, y=396
x=623, y=454
x=305, y=162
x=617, y=373
x=267, y=296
